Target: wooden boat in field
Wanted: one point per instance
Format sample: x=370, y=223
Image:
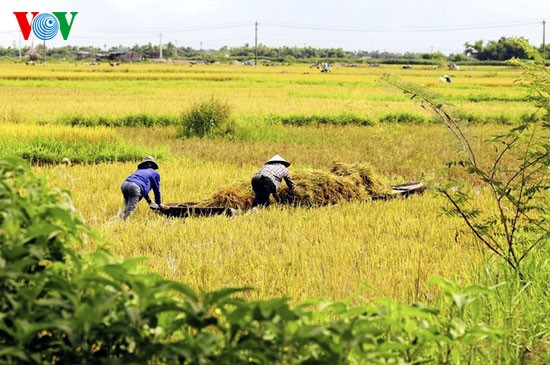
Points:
x=183, y=210
x=402, y=190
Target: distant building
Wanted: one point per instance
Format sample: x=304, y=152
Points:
x=126, y=55
x=33, y=54
x=83, y=55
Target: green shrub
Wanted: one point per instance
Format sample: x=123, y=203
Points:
x=206, y=118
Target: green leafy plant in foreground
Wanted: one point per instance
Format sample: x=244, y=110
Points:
x=515, y=228
x=60, y=306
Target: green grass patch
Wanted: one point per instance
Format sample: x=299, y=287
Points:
x=476, y=98
x=54, y=144
x=503, y=119
x=404, y=117
x=339, y=119
x=51, y=151
x=132, y=120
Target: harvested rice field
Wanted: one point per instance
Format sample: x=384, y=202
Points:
x=348, y=135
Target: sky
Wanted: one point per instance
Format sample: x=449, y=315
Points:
x=382, y=25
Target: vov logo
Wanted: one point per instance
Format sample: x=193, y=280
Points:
x=45, y=26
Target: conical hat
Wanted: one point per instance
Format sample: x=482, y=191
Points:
x=149, y=160
x=278, y=159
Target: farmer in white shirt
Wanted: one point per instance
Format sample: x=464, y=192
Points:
x=268, y=180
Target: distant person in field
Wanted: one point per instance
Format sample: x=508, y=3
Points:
x=139, y=184
x=445, y=78
x=267, y=181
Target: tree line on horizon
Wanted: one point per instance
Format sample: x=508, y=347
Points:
x=502, y=49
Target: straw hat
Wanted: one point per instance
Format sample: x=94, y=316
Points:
x=278, y=159
x=148, y=161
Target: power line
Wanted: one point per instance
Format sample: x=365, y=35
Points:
x=167, y=30
x=440, y=28
x=434, y=28
x=402, y=29
x=140, y=34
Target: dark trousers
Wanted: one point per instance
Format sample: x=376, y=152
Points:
x=132, y=195
x=263, y=187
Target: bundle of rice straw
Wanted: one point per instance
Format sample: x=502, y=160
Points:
x=366, y=175
x=318, y=188
x=236, y=196
x=344, y=182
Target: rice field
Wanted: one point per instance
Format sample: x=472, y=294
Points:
x=51, y=92
x=358, y=249
x=355, y=250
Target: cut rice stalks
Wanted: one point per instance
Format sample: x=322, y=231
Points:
x=343, y=182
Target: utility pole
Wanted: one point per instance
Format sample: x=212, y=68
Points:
x=20, y=47
x=544, y=42
x=160, y=45
x=256, y=45
x=176, y=50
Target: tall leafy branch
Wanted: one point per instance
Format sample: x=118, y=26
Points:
x=517, y=176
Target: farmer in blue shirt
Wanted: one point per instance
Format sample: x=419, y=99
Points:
x=139, y=184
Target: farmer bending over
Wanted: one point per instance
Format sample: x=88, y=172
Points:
x=138, y=185
x=268, y=180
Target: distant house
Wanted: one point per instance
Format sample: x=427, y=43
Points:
x=83, y=55
x=33, y=54
x=133, y=56
x=117, y=54
x=126, y=55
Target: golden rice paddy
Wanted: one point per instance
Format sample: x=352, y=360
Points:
x=346, y=247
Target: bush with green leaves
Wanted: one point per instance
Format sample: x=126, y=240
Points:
x=206, y=118
x=60, y=306
x=514, y=227
x=517, y=221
